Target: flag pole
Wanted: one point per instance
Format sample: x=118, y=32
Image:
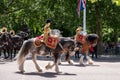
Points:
x=84, y=19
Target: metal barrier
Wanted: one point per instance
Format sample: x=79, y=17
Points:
x=112, y=51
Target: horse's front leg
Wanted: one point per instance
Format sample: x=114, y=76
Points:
x=15, y=51
x=35, y=62
x=49, y=66
x=90, y=61
x=67, y=58
x=5, y=53
x=0, y=53
x=56, y=62
x=81, y=60
x=11, y=52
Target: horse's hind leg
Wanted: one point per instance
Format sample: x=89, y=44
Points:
x=35, y=62
x=21, y=66
x=90, y=61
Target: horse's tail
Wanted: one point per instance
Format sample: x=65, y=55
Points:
x=23, y=52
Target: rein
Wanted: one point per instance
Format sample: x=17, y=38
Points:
x=61, y=46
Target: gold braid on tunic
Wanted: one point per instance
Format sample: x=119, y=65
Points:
x=47, y=30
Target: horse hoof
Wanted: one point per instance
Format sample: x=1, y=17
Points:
x=81, y=64
x=70, y=62
x=90, y=63
x=59, y=63
x=58, y=72
x=48, y=66
x=40, y=70
x=22, y=71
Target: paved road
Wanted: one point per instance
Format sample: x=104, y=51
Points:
x=104, y=68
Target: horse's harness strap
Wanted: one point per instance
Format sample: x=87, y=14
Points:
x=62, y=47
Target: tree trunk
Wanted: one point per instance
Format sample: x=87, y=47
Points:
x=116, y=40
x=99, y=29
x=115, y=37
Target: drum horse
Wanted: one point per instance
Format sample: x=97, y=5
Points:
x=49, y=42
x=83, y=43
x=86, y=41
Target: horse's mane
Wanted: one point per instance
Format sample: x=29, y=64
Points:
x=66, y=39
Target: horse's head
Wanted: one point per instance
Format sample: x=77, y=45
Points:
x=55, y=33
x=22, y=34
x=5, y=36
x=67, y=44
x=6, y=39
x=92, y=39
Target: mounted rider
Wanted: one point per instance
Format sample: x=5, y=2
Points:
x=78, y=30
x=47, y=37
x=80, y=35
x=47, y=30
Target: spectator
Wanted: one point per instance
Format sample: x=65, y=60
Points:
x=93, y=51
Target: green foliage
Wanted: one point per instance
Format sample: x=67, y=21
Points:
x=63, y=14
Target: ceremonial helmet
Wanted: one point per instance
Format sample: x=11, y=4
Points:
x=48, y=20
x=3, y=30
x=12, y=32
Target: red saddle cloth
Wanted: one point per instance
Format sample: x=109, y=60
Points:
x=52, y=42
x=80, y=38
x=38, y=40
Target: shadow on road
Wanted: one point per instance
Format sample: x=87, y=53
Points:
x=46, y=74
x=85, y=65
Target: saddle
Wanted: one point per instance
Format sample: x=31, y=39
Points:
x=51, y=40
x=38, y=41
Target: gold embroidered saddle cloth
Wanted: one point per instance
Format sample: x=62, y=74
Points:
x=51, y=42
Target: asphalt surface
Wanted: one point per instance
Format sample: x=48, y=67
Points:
x=104, y=68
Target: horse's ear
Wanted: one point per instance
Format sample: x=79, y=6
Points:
x=3, y=30
x=12, y=32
